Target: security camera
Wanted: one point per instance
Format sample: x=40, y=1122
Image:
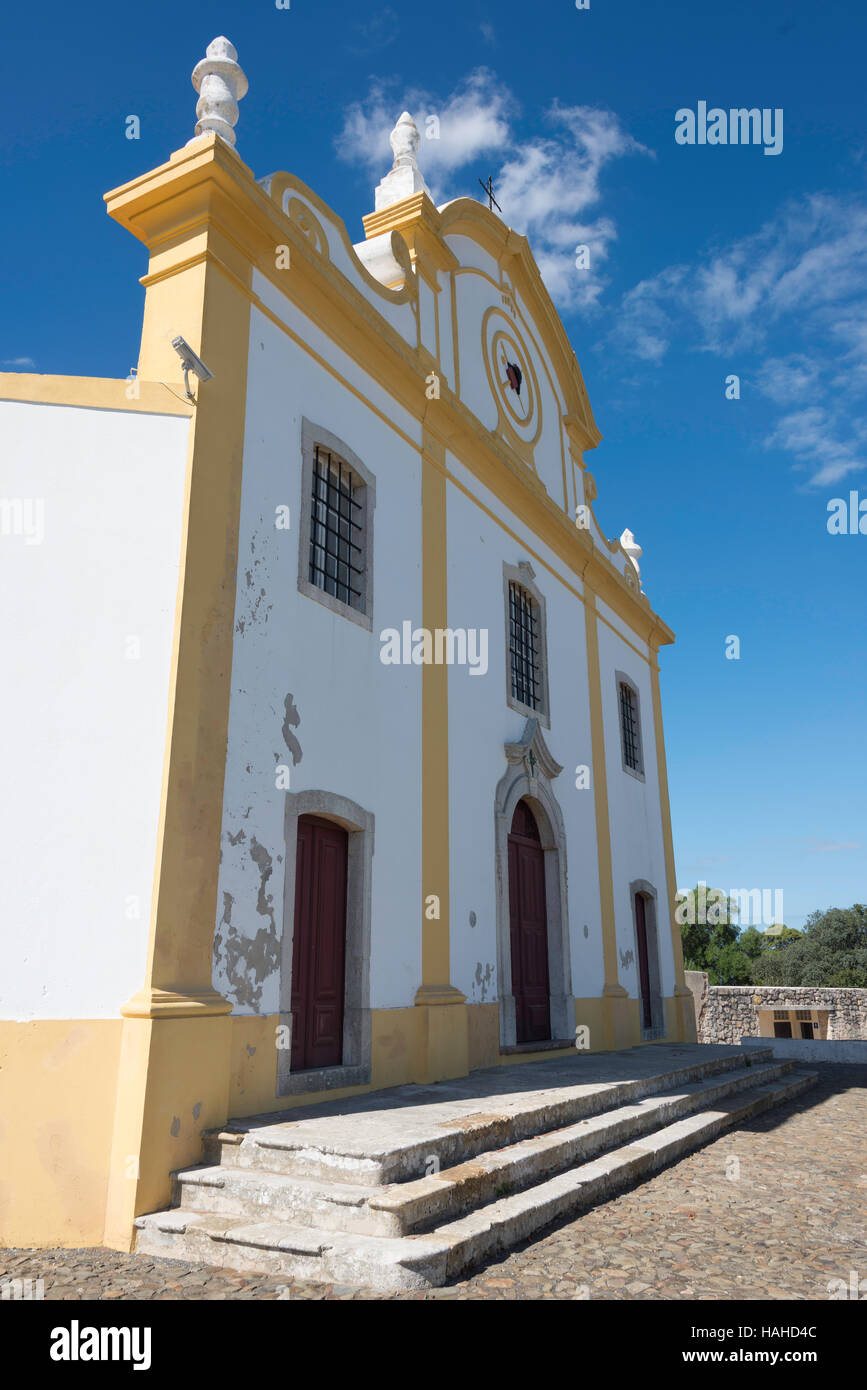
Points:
x=190, y=362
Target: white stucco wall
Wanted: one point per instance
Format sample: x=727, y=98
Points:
x=481, y=722
x=637, y=849
x=359, y=721
x=83, y=709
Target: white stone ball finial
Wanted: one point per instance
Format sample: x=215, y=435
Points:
x=632, y=548
x=221, y=84
x=405, y=177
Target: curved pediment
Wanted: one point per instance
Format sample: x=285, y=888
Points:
x=524, y=294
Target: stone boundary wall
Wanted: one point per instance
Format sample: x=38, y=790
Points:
x=727, y=1013
x=845, y=1050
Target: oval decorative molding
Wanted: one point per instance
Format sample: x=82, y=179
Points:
x=512, y=378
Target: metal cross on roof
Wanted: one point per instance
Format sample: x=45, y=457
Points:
x=489, y=189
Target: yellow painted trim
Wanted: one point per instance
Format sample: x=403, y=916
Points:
x=442, y=1043
x=94, y=393
x=407, y=439
x=58, y=1081
x=682, y=992
x=175, y=1057
x=455, y=348
x=613, y=992
x=435, y=720
x=540, y=560
x=248, y=218
x=332, y=370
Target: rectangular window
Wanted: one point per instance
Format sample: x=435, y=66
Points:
x=629, y=728
x=336, y=553
x=523, y=647
x=782, y=1014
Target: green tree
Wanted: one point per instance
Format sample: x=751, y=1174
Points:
x=773, y=938
x=832, y=950
x=710, y=936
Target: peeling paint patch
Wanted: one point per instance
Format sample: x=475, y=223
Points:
x=626, y=959
x=197, y=1109
x=236, y=839
x=292, y=720
x=251, y=1051
x=175, y=1127
x=250, y=958
x=483, y=980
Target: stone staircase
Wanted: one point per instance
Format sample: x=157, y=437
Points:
x=409, y=1187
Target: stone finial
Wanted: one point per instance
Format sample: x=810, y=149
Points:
x=632, y=548
x=405, y=177
x=221, y=84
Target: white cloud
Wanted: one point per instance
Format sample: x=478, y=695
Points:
x=18, y=362
x=812, y=437
x=546, y=185
x=788, y=380
x=473, y=121
x=801, y=278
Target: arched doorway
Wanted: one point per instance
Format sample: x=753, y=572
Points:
x=528, y=928
x=319, y=944
x=644, y=989
x=651, y=1007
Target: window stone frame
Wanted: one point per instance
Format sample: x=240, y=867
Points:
x=524, y=575
x=621, y=678
x=311, y=435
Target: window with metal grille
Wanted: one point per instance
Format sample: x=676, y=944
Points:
x=336, y=525
x=524, y=647
x=629, y=727
x=804, y=1015
x=781, y=1014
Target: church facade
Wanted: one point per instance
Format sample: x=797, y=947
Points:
x=362, y=706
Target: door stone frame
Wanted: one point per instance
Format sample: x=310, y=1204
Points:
x=355, y=1067
x=651, y=923
x=529, y=774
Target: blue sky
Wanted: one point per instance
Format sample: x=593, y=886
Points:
x=705, y=261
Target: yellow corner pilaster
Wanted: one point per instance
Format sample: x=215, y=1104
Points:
x=176, y=1047
x=617, y=1021
x=443, y=1040
x=686, y=1031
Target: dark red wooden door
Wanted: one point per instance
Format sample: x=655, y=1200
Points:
x=528, y=922
x=643, y=966
x=319, y=944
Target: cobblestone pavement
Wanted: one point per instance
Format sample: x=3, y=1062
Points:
x=776, y=1210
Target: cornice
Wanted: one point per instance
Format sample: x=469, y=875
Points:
x=204, y=206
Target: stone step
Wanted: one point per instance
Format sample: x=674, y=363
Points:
x=377, y=1145
x=404, y=1208
x=418, y=1261
x=501, y=1224
x=297, y=1252
x=419, y=1205
x=256, y=1194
